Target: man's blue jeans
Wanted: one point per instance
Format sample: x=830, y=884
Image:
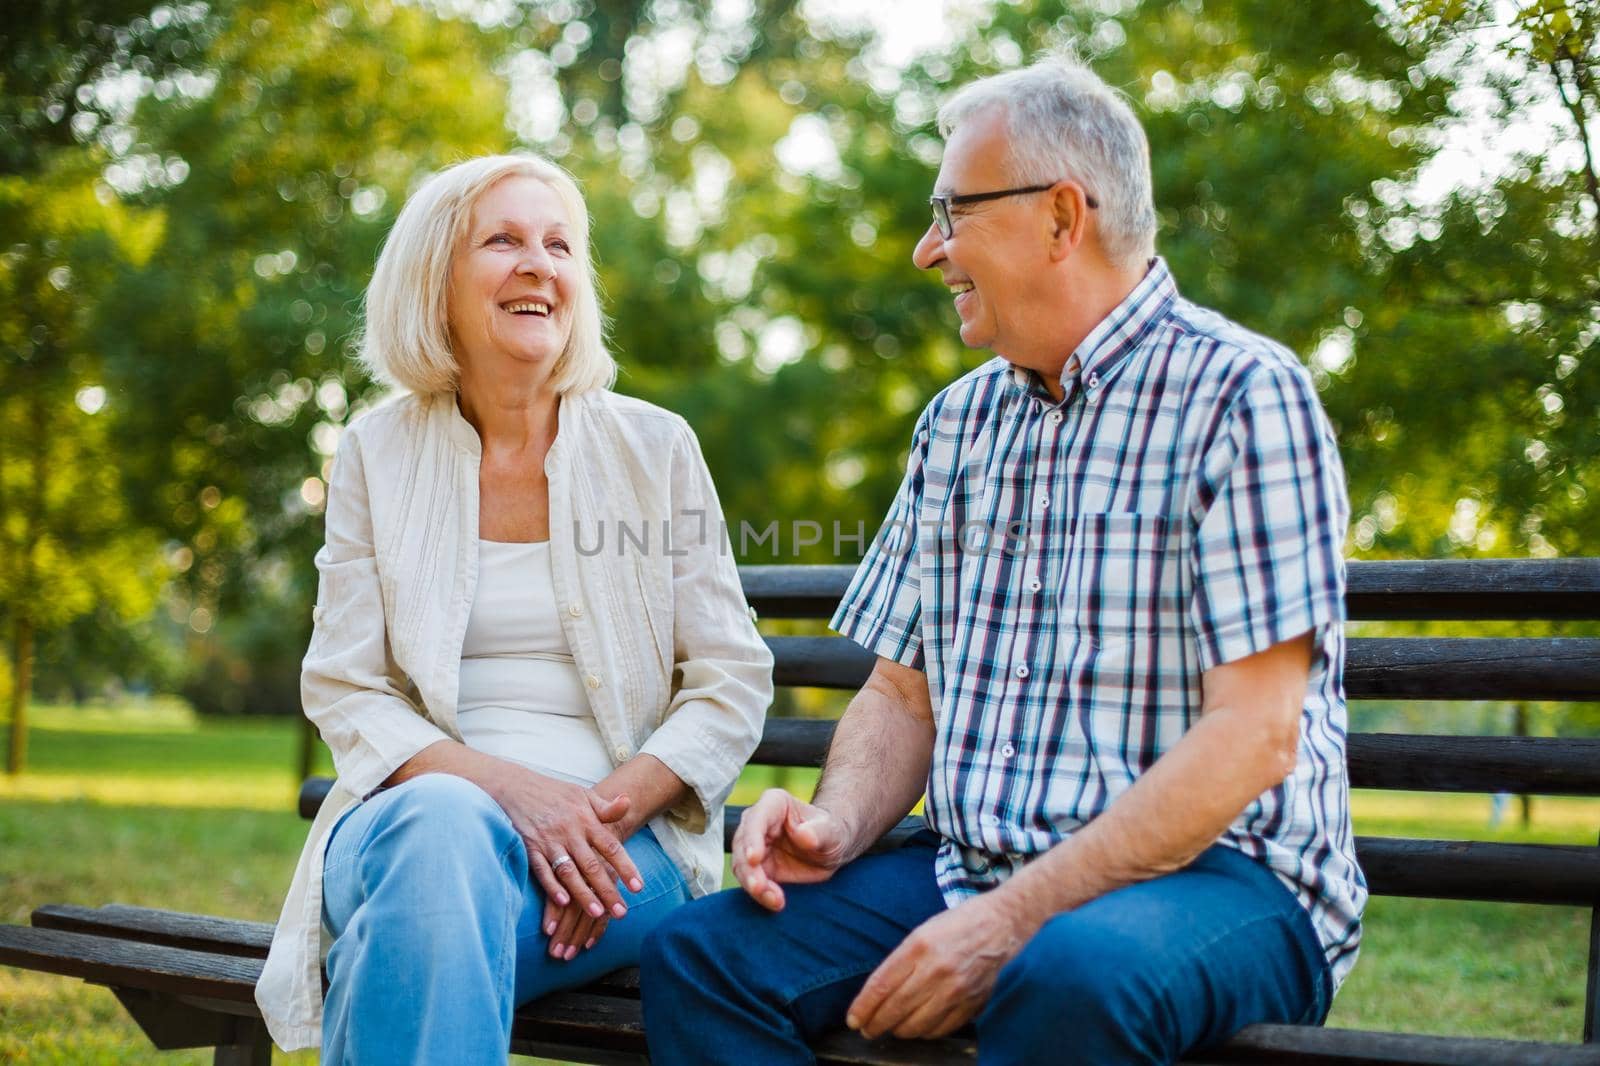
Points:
x=435, y=920
x=1143, y=974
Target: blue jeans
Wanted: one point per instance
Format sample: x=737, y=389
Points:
x=1143, y=974
x=435, y=921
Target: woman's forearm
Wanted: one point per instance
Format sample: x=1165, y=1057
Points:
x=650, y=787
x=454, y=757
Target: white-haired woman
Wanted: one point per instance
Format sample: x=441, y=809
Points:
x=534, y=729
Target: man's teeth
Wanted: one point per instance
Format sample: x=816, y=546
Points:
x=526, y=307
x=960, y=287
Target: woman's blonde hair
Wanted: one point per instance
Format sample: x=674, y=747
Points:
x=405, y=335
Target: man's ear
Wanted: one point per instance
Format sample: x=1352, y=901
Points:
x=1069, y=218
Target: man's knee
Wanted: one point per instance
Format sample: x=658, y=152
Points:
x=701, y=933
x=1080, y=977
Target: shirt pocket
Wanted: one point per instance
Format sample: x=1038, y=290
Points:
x=1120, y=578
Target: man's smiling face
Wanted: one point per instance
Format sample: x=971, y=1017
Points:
x=995, y=248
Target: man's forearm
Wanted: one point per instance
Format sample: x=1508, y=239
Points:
x=1176, y=810
x=877, y=766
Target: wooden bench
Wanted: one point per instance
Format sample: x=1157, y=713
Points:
x=188, y=979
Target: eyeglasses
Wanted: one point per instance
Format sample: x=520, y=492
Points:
x=942, y=204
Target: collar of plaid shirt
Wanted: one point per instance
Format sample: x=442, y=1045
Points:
x=1116, y=336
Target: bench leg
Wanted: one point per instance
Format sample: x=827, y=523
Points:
x=252, y=1046
x=171, y=1024
x=1591, y=991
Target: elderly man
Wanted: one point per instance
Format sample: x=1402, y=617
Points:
x=1129, y=729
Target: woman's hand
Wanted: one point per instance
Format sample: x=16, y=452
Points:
x=573, y=853
x=571, y=929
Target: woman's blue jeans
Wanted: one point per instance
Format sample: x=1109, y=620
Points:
x=435, y=925
x=1140, y=975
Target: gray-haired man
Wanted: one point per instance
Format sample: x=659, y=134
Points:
x=1131, y=735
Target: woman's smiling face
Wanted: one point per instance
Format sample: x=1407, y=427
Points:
x=514, y=279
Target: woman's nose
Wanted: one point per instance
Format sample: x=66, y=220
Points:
x=536, y=262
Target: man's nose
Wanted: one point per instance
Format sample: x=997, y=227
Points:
x=930, y=249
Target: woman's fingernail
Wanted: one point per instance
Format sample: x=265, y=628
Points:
x=636, y=885
x=588, y=944
x=619, y=910
x=562, y=899
x=572, y=953
x=596, y=910
x=550, y=927
x=555, y=950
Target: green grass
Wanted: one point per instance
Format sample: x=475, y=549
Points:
x=148, y=805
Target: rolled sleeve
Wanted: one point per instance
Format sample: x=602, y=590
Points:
x=721, y=667
x=350, y=687
x=1271, y=511
x=882, y=608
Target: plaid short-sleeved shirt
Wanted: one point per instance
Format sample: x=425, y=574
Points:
x=1064, y=573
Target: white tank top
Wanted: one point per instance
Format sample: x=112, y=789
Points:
x=521, y=697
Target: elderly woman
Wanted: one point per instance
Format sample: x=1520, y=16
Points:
x=534, y=729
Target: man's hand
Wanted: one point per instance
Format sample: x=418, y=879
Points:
x=940, y=976
x=781, y=839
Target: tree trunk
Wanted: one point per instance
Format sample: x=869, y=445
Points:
x=22, y=684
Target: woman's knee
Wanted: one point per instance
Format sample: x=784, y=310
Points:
x=437, y=825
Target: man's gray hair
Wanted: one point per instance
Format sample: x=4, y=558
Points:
x=1065, y=123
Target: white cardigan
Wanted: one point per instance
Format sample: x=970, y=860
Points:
x=661, y=633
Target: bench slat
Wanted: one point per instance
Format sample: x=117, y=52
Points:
x=569, y=1024
x=1406, y=668
x=1555, y=874
x=1545, y=766
x=129, y=963
x=1412, y=762
x=1381, y=590
x=195, y=932
x=1559, y=874
x=1306, y=1046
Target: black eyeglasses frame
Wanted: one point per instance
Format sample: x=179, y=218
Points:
x=941, y=205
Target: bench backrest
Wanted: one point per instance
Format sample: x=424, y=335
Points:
x=1393, y=668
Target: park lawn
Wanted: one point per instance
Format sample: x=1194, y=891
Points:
x=151, y=806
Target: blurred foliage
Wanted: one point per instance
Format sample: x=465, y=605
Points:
x=216, y=180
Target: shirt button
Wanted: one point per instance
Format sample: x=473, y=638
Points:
x=575, y=610
x=1022, y=671
x=1035, y=585
x=1094, y=379
x=1008, y=751
x=592, y=681
x=1054, y=417
x=316, y=615
x=1044, y=501
x=623, y=754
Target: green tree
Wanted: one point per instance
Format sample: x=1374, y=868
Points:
x=66, y=546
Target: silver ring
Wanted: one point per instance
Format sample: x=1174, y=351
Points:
x=559, y=861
